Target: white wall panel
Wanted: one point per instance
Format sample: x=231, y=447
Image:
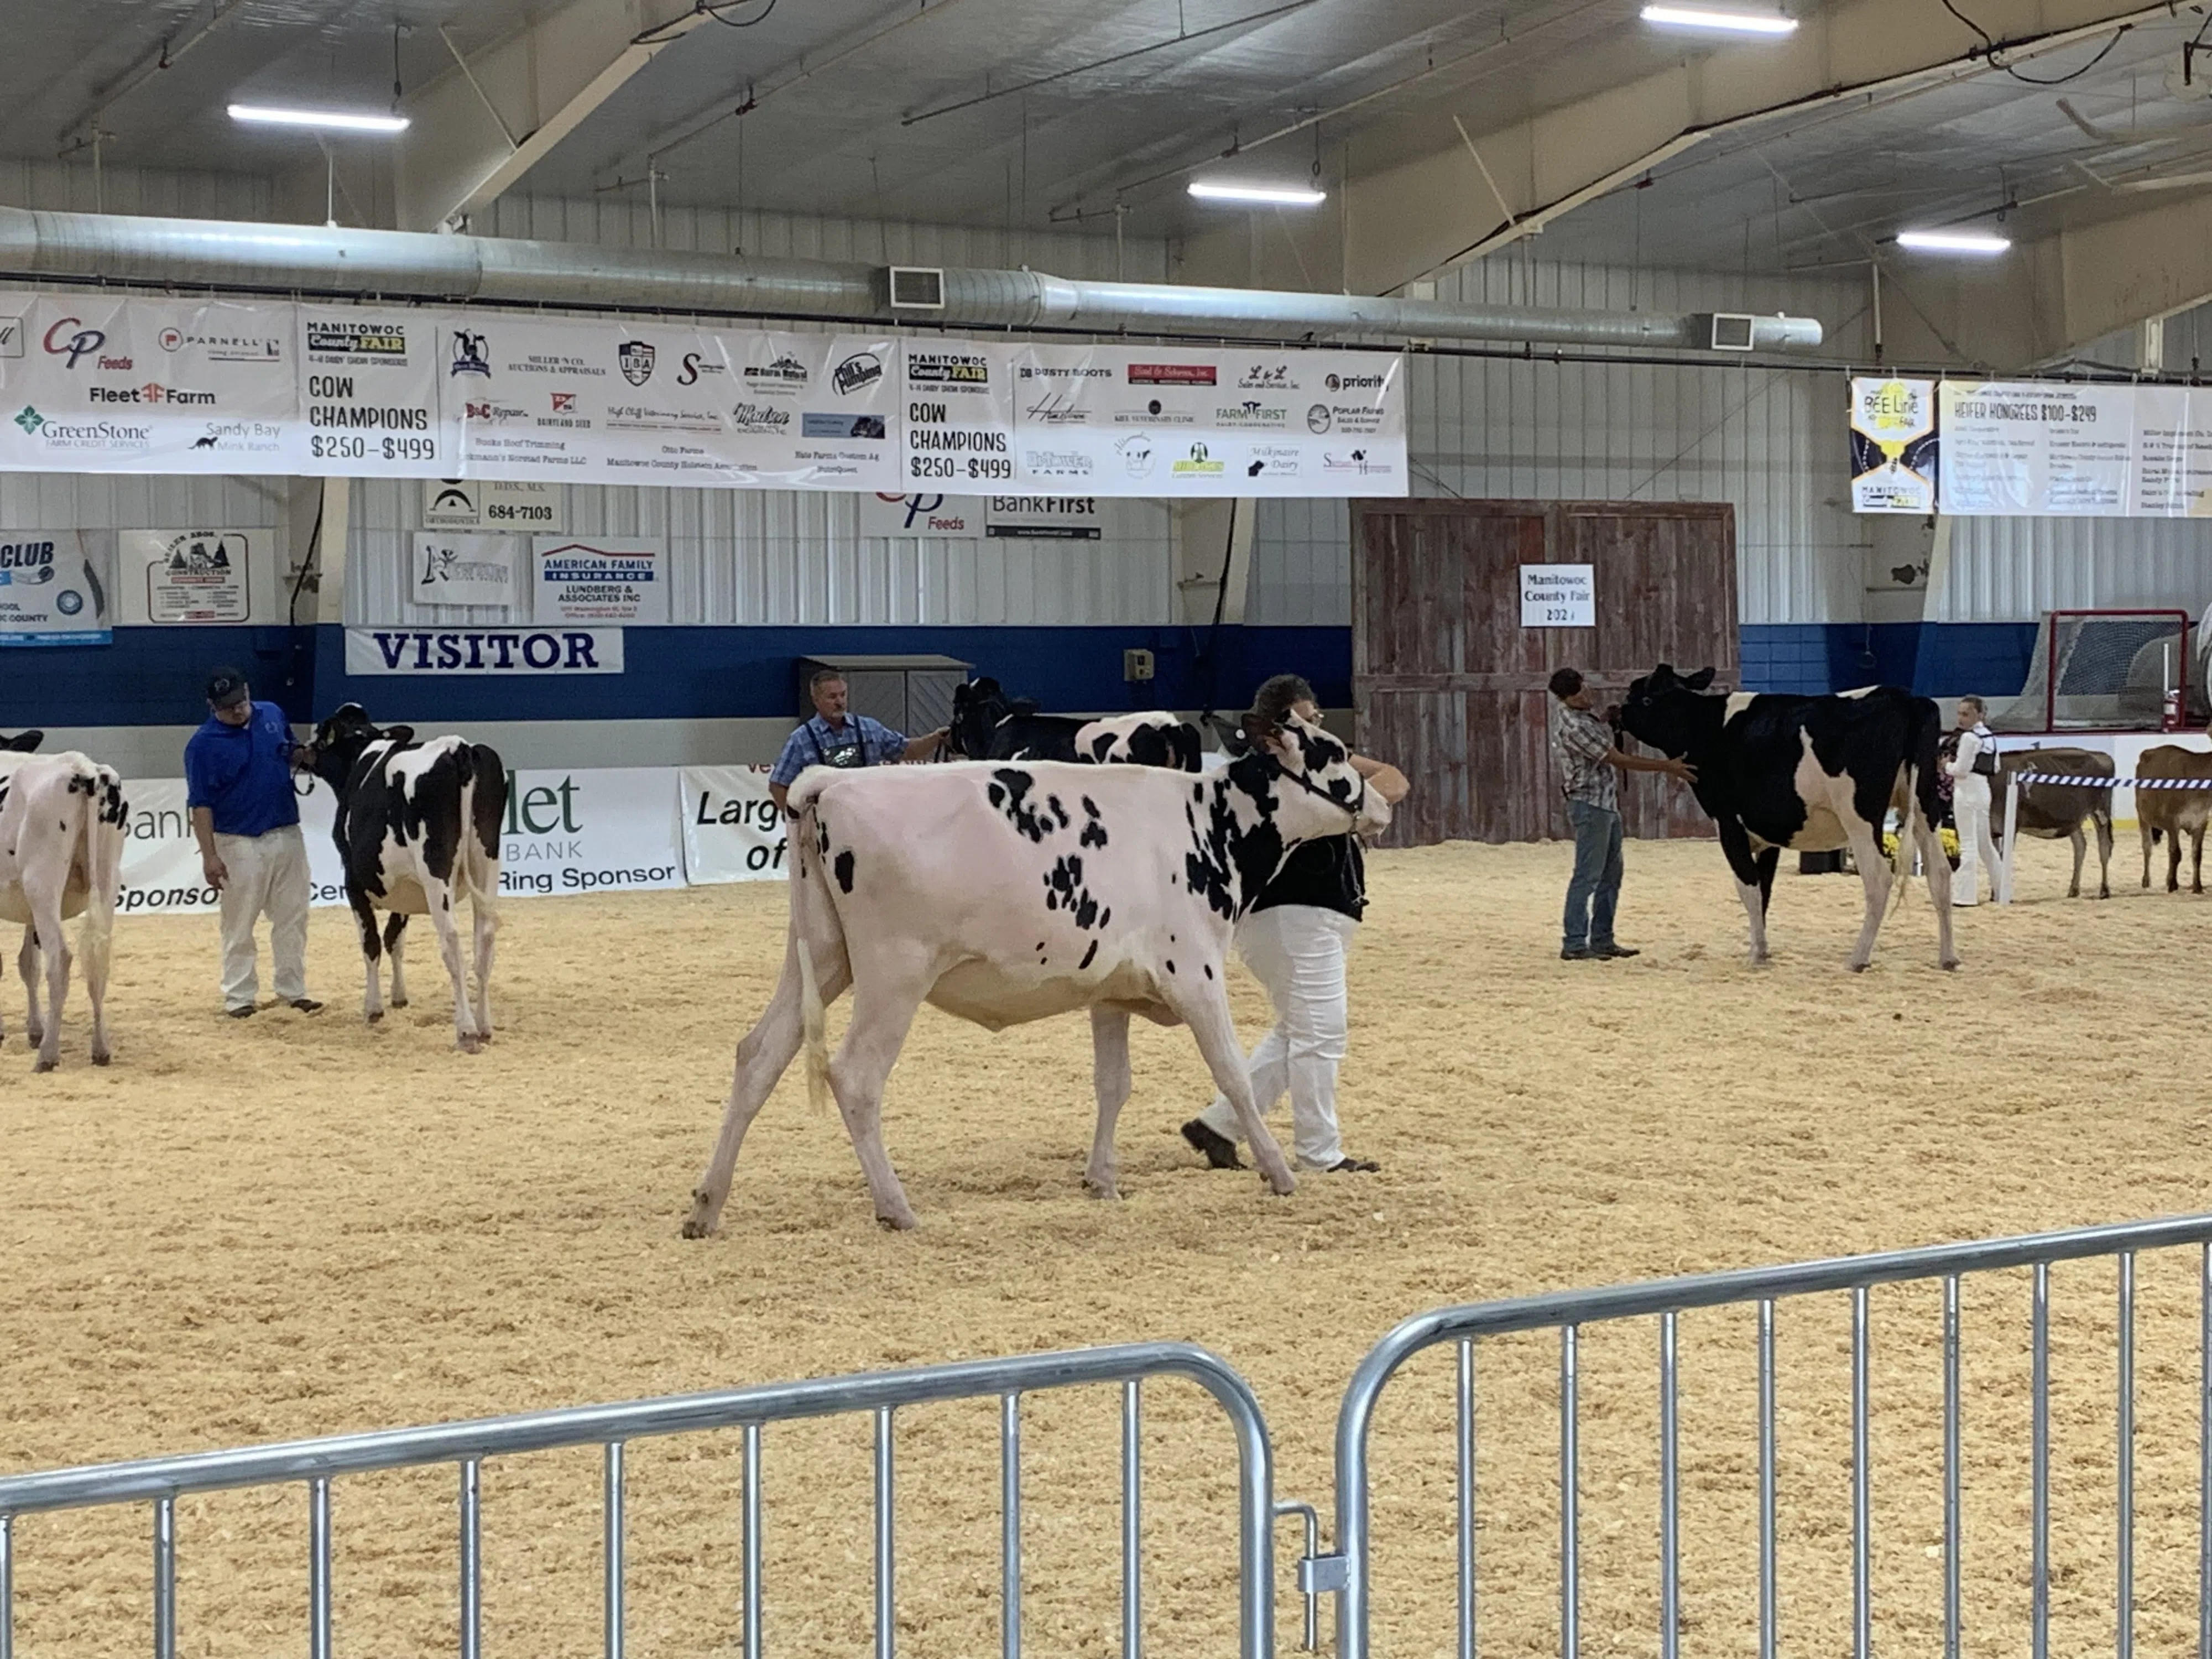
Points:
x=2015, y=569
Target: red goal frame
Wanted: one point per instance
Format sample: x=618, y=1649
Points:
x=2051, y=663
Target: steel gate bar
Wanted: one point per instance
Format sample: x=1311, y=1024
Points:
x=752, y=1510
x=886, y=1580
x=1010, y=1525
x=1133, y=1531
x=318, y=1567
x=2040, y=1463
x=1768, y=1612
x=2123, y=1642
x=1569, y=1502
x=1951, y=1473
x=1670, y=1587
x=471, y=1559
x=1464, y=1424
x=613, y=1595
x=1862, y=1487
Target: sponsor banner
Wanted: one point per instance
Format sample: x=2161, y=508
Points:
x=601, y=582
x=494, y=504
x=193, y=576
x=1047, y=518
x=108, y=384
x=1153, y=421
x=465, y=569
x=611, y=830
x=1558, y=596
x=161, y=873
x=2052, y=449
x=633, y=403
x=925, y=513
x=732, y=829
x=1894, y=446
x=367, y=396
x=484, y=650
x=54, y=588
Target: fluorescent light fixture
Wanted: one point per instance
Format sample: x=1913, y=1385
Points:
x=1726, y=22
x=1953, y=241
x=333, y=120
x=1277, y=194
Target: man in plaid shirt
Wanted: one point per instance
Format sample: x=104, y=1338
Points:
x=1584, y=749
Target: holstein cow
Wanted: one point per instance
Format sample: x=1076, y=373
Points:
x=1806, y=774
x=61, y=855
x=987, y=724
x=2049, y=811
x=1004, y=893
x=2174, y=813
x=417, y=830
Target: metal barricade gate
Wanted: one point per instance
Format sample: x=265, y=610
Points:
x=317, y=1463
x=1344, y=1571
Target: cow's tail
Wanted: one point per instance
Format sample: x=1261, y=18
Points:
x=102, y=851
x=810, y=889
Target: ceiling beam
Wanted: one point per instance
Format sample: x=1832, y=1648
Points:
x=1421, y=215
x=484, y=123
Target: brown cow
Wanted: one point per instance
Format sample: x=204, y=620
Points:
x=2174, y=812
x=2048, y=811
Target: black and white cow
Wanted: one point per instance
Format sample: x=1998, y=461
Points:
x=417, y=830
x=1009, y=892
x=61, y=855
x=1810, y=775
x=987, y=724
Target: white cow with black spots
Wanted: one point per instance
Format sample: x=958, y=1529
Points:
x=61, y=855
x=1008, y=892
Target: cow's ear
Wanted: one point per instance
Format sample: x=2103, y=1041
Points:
x=401, y=736
x=1258, y=729
x=1700, y=680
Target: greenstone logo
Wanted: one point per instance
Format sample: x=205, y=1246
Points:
x=30, y=420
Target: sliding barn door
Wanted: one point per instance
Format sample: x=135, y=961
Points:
x=1450, y=685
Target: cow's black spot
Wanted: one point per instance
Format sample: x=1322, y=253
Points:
x=1209, y=970
x=1040, y=944
x=1058, y=811
x=1227, y=863
x=844, y=866
x=1171, y=964
x=1015, y=804
x=998, y=795
x=1087, y=955
x=1094, y=834
x=1064, y=887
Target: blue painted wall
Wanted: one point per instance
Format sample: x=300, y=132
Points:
x=1936, y=659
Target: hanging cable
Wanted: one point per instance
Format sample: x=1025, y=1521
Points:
x=1993, y=51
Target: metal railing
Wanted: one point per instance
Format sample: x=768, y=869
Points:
x=317, y=1463
x=1347, y=1571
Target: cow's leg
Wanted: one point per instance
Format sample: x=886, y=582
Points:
x=2197, y=861
x=484, y=920
x=1215, y=1031
x=764, y=1054
x=886, y=996
x=2081, y=840
x=395, y=940
x=2104, y=856
x=46, y=909
x=439, y=896
x=1938, y=870
x=1743, y=864
x=1875, y=876
x=364, y=916
x=27, y=963
x=2173, y=861
x=2144, y=829
x=1109, y=1077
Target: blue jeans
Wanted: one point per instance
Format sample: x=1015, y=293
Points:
x=1595, y=888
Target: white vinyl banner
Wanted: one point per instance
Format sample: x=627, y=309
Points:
x=368, y=404
x=465, y=569
x=2055, y=449
x=1152, y=421
x=484, y=650
x=161, y=871
x=611, y=830
x=925, y=512
x=55, y=588
x=192, y=576
x=493, y=504
x=623, y=403
x=108, y=384
x=601, y=581
x=732, y=829
x=1044, y=517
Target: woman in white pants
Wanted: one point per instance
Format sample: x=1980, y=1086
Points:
x=1971, y=763
x=1295, y=939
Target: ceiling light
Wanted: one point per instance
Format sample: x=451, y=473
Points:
x=1728, y=22
x=329, y=119
x=1953, y=241
x=1276, y=194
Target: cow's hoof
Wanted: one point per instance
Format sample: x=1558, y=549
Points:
x=375, y=1016
x=469, y=1044
x=896, y=1223
x=695, y=1228
x=484, y=1037
x=44, y=1064
x=1282, y=1186
x=399, y=1002
x=101, y=1058
x=1859, y=967
x=1101, y=1189
x=1950, y=967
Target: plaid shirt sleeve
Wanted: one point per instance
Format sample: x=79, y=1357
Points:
x=1579, y=735
x=888, y=745
x=797, y=754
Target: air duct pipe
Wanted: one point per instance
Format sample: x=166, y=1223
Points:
x=416, y=265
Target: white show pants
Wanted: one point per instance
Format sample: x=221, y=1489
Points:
x=1970, y=811
x=268, y=877
x=1297, y=951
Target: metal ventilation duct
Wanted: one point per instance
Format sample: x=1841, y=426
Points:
x=415, y=265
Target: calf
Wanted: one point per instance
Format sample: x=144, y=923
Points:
x=418, y=829
x=2174, y=813
x=61, y=855
x=1009, y=893
x=2048, y=811
x=987, y=724
x=1807, y=774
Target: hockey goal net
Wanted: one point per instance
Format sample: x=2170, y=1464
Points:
x=2106, y=670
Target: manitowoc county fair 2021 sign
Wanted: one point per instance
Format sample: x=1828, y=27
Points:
x=94, y=383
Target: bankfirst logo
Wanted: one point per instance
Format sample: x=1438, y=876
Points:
x=554, y=840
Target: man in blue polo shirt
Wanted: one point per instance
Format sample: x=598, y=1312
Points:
x=238, y=784
x=834, y=738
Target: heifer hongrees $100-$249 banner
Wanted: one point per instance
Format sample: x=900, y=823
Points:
x=93, y=383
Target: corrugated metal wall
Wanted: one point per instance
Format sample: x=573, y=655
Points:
x=2015, y=569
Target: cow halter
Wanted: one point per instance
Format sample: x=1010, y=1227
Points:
x=1354, y=807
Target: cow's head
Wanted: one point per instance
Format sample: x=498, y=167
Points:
x=1327, y=796
x=1670, y=711
x=978, y=706
x=339, y=742
x=22, y=744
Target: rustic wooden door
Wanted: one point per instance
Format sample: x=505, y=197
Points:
x=1451, y=687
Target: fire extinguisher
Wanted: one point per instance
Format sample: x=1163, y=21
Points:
x=2171, y=719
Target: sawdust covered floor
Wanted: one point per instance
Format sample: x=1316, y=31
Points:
x=292, y=1227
